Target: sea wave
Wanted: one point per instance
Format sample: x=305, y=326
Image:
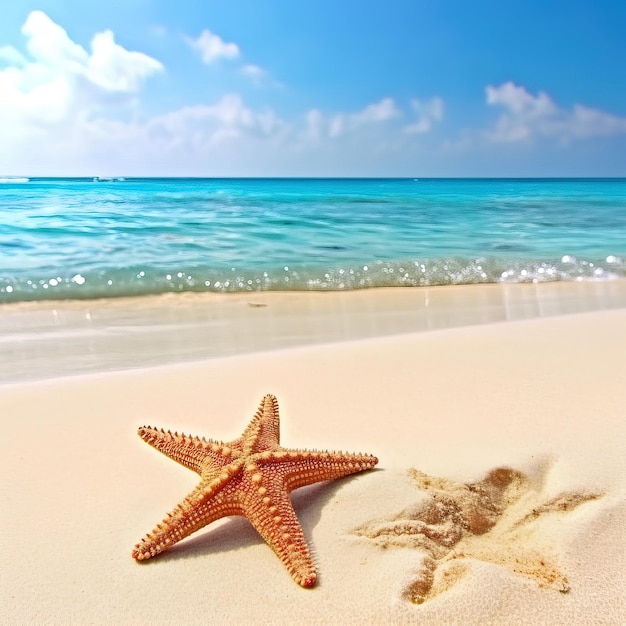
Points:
x=14, y=179
x=138, y=281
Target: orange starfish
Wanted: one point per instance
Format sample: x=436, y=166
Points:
x=251, y=476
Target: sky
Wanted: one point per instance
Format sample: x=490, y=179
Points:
x=418, y=88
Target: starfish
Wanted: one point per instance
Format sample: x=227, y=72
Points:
x=251, y=476
x=498, y=519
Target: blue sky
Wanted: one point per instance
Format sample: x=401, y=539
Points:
x=317, y=88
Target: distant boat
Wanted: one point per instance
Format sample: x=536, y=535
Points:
x=14, y=179
x=108, y=179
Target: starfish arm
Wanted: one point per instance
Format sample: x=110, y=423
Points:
x=276, y=521
x=306, y=467
x=250, y=476
x=201, y=507
x=263, y=432
x=184, y=449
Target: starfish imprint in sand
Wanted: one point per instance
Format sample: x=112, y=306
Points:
x=251, y=476
x=498, y=519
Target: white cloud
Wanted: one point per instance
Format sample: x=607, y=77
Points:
x=227, y=117
x=66, y=109
x=428, y=113
x=114, y=68
x=11, y=56
x=58, y=79
x=69, y=109
x=110, y=66
x=229, y=133
x=50, y=45
x=375, y=113
x=255, y=73
x=158, y=30
x=57, y=86
x=379, y=112
x=526, y=117
x=212, y=47
x=587, y=122
x=314, y=125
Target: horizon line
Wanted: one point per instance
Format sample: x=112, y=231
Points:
x=123, y=178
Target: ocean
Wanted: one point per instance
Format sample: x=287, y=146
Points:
x=70, y=238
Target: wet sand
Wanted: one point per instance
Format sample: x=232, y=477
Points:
x=58, y=338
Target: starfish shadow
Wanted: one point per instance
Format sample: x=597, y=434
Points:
x=236, y=533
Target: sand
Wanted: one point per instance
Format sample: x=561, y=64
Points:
x=58, y=338
x=500, y=495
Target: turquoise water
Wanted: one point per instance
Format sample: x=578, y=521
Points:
x=84, y=238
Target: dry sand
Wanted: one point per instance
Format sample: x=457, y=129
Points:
x=500, y=496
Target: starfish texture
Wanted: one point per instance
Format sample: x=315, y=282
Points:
x=251, y=476
x=499, y=519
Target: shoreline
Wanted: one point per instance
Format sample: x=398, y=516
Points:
x=543, y=397
x=51, y=339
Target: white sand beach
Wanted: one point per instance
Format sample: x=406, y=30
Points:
x=542, y=541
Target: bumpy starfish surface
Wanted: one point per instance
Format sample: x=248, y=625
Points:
x=251, y=476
